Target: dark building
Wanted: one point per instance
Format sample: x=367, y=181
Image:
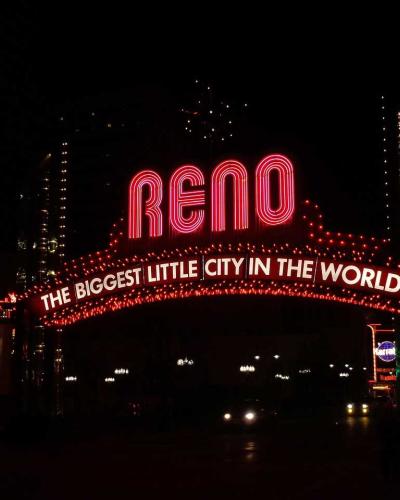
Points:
x=7, y=356
x=389, y=114
x=389, y=108
x=21, y=111
x=89, y=151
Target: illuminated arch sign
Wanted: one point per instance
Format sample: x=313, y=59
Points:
x=287, y=252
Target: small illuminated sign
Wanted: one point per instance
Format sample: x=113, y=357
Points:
x=386, y=351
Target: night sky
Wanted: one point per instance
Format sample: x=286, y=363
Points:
x=319, y=106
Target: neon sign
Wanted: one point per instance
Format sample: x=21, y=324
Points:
x=308, y=261
x=209, y=268
x=187, y=198
x=386, y=351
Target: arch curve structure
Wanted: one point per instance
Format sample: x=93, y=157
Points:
x=315, y=264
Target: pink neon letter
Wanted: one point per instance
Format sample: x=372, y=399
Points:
x=179, y=199
x=268, y=215
x=240, y=192
x=151, y=205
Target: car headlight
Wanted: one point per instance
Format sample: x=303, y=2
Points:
x=365, y=408
x=350, y=408
x=227, y=416
x=249, y=416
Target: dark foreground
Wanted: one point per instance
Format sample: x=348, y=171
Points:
x=298, y=459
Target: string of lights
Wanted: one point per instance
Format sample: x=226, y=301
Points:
x=63, y=200
x=387, y=200
x=208, y=118
x=44, y=222
x=223, y=288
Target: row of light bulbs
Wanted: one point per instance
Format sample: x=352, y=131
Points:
x=385, y=165
x=62, y=207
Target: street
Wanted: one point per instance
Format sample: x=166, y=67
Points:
x=299, y=459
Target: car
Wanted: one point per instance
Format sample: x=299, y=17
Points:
x=369, y=406
x=247, y=414
x=358, y=408
x=383, y=401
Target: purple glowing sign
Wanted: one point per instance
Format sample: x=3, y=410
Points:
x=386, y=351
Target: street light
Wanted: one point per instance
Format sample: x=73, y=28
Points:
x=247, y=368
x=121, y=371
x=185, y=361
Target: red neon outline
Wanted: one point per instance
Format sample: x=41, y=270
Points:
x=179, y=199
x=240, y=191
x=266, y=214
x=151, y=206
